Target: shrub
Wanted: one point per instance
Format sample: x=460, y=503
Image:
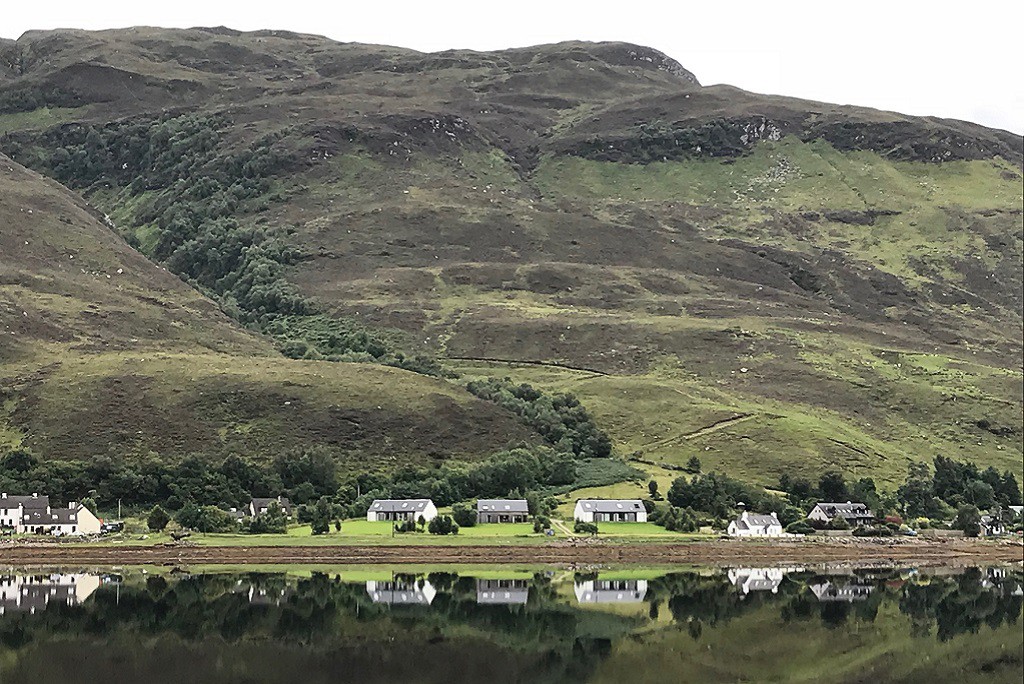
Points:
x=582, y=527
x=271, y=522
x=968, y=519
x=463, y=515
x=799, y=527
x=157, y=519
x=406, y=526
x=838, y=523
x=442, y=524
x=541, y=523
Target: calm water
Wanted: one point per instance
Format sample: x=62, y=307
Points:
x=384, y=625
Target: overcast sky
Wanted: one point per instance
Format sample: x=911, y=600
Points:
x=959, y=60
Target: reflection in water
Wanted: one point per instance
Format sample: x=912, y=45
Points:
x=30, y=593
x=502, y=591
x=611, y=591
x=402, y=592
x=544, y=627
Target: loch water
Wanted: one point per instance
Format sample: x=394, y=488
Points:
x=511, y=624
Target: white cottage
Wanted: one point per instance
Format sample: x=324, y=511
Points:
x=75, y=520
x=13, y=509
x=755, y=525
x=610, y=510
x=401, y=509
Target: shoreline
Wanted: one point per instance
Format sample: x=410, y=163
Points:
x=958, y=552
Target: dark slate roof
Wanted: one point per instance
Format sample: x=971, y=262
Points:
x=399, y=505
x=259, y=503
x=502, y=506
x=56, y=516
x=611, y=505
x=755, y=520
x=8, y=501
x=847, y=510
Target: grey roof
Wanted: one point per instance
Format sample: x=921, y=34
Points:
x=56, y=516
x=261, y=502
x=8, y=501
x=611, y=505
x=502, y=506
x=847, y=510
x=398, y=505
x=756, y=520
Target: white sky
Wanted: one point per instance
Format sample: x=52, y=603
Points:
x=934, y=57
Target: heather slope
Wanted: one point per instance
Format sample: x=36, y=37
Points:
x=772, y=284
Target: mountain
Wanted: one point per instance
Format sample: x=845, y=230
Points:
x=771, y=284
x=103, y=353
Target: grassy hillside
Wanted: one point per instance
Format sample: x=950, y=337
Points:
x=102, y=353
x=771, y=284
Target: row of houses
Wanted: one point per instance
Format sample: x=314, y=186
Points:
x=505, y=591
x=760, y=525
x=34, y=515
x=749, y=524
x=508, y=510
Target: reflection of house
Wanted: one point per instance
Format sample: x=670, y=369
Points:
x=757, y=579
x=401, y=509
x=401, y=592
x=1017, y=510
x=827, y=591
x=74, y=520
x=33, y=593
x=610, y=510
x=755, y=525
x=501, y=510
x=611, y=591
x=854, y=513
x=502, y=591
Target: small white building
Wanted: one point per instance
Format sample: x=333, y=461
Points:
x=75, y=520
x=401, y=509
x=610, y=510
x=755, y=525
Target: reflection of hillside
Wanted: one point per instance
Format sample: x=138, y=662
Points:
x=542, y=628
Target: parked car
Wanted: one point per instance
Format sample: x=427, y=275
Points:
x=111, y=527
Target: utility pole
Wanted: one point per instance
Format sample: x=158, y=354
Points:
x=118, y=510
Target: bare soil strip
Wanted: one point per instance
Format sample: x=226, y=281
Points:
x=720, y=552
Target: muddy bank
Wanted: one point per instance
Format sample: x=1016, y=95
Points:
x=718, y=552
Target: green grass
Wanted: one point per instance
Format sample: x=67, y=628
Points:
x=38, y=119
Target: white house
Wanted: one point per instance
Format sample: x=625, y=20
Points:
x=854, y=513
x=502, y=511
x=401, y=509
x=991, y=526
x=611, y=591
x=13, y=508
x=75, y=520
x=755, y=525
x=610, y=510
x=1017, y=510
x=259, y=506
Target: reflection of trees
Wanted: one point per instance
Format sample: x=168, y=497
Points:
x=962, y=604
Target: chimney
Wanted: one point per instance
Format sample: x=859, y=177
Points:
x=71, y=505
x=34, y=495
